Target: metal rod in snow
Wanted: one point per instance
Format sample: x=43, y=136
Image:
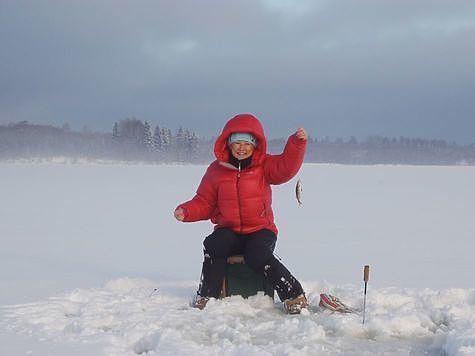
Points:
x=365, y=279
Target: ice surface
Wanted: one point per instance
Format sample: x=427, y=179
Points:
x=85, y=246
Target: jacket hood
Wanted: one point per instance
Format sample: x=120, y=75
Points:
x=241, y=123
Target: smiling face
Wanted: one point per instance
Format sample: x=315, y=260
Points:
x=241, y=149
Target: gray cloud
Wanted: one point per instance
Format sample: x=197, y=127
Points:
x=340, y=68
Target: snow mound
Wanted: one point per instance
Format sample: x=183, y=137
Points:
x=138, y=316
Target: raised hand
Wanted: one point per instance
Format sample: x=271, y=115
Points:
x=301, y=134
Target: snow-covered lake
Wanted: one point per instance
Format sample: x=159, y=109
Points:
x=83, y=246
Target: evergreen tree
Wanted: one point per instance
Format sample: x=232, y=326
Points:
x=180, y=144
x=169, y=137
x=147, y=137
x=165, y=139
x=157, y=139
x=132, y=130
x=192, y=147
x=115, y=131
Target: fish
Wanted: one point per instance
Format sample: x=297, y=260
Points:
x=298, y=191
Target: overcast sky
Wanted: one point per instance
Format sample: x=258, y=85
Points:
x=338, y=68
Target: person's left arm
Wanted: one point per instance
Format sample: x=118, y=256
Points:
x=281, y=168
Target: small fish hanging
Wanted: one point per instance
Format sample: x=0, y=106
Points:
x=298, y=191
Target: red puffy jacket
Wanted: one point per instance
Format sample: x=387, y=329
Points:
x=242, y=200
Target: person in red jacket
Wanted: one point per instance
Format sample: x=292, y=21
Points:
x=235, y=194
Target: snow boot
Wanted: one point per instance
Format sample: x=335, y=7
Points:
x=331, y=302
x=199, y=302
x=295, y=305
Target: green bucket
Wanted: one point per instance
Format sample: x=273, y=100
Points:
x=242, y=280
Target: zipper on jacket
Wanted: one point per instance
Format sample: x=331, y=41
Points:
x=238, y=196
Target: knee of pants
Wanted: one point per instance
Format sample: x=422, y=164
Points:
x=258, y=259
x=219, y=243
x=260, y=249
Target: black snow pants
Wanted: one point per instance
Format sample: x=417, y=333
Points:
x=258, y=251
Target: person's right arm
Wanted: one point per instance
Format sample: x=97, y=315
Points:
x=203, y=203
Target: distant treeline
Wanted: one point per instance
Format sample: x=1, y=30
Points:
x=136, y=140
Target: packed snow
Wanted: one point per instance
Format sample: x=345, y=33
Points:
x=93, y=262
